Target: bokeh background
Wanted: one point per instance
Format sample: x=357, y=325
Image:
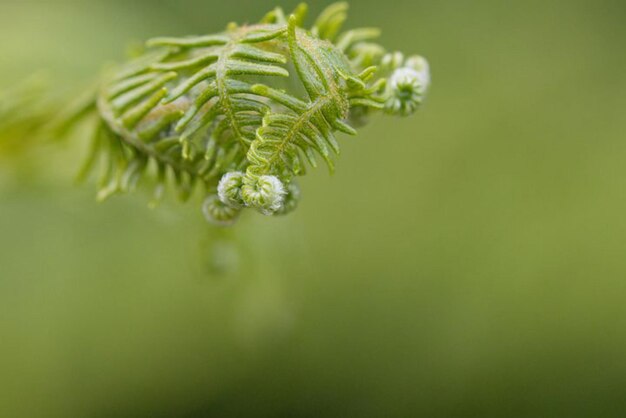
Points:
x=466, y=262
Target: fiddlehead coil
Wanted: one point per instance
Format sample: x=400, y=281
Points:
x=229, y=189
x=219, y=213
x=225, y=112
x=265, y=193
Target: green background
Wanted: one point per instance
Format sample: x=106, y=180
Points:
x=465, y=262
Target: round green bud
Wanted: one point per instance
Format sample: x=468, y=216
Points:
x=266, y=193
x=229, y=189
x=405, y=91
x=218, y=213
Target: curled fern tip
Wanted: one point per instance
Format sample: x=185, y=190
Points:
x=239, y=114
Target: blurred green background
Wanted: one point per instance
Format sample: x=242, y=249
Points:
x=474, y=268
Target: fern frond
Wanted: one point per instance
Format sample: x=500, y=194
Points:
x=251, y=106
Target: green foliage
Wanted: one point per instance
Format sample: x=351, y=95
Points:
x=240, y=113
